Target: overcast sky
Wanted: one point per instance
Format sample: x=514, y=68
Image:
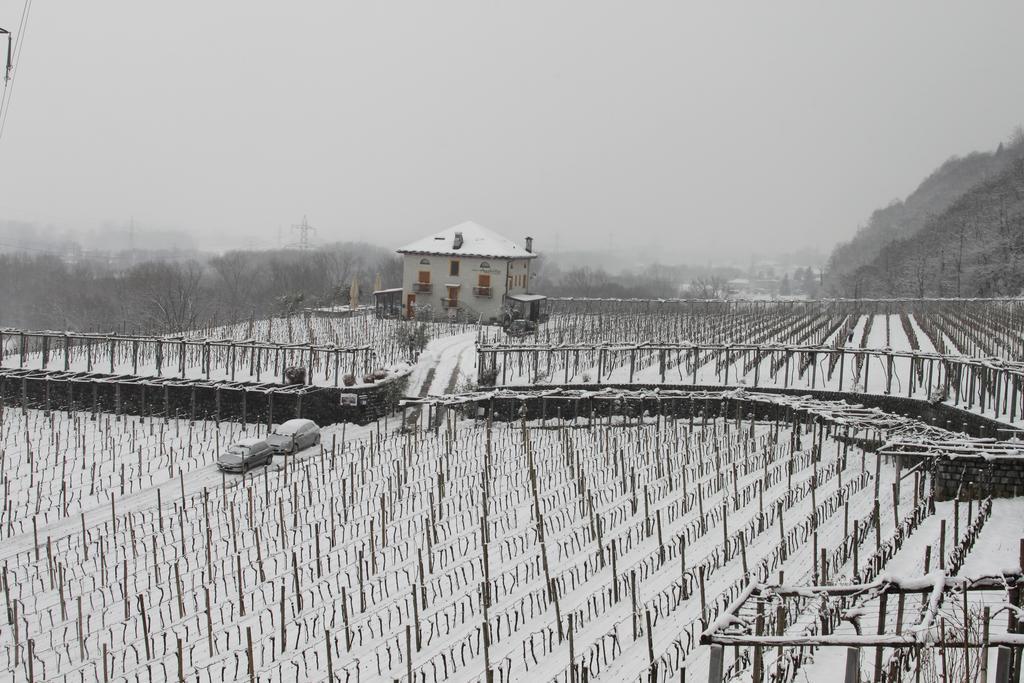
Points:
x=729, y=125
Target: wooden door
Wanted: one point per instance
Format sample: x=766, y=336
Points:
x=410, y=306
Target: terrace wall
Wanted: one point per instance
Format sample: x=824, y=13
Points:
x=937, y=414
x=976, y=477
x=200, y=400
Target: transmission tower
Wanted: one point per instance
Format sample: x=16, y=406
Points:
x=304, y=229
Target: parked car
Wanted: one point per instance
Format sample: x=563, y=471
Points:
x=294, y=435
x=247, y=453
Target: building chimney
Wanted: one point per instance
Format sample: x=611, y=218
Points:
x=458, y=241
x=529, y=244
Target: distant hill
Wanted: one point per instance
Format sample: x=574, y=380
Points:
x=961, y=233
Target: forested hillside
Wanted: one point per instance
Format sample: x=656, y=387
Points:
x=961, y=233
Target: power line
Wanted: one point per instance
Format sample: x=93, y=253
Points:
x=12, y=72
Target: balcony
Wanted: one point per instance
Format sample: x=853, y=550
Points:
x=422, y=287
x=449, y=303
x=482, y=292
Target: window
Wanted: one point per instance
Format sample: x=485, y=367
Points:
x=424, y=262
x=453, y=268
x=424, y=276
x=485, y=266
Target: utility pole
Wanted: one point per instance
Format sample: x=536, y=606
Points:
x=304, y=229
x=7, y=71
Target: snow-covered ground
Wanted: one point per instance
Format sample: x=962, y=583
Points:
x=380, y=546
x=644, y=486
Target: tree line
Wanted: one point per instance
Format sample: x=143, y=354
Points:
x=656, y=281
x=163, y=296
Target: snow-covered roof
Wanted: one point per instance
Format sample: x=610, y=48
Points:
x=476, y=241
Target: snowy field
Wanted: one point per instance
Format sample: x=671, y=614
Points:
x=587, y=547
x=560, y=552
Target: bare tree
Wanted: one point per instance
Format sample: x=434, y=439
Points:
x=170, y=294
x=711, y=287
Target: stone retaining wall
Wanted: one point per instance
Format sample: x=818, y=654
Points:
x=202, y=400
x=938, y=414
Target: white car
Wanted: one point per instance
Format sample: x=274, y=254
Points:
x=294, y=435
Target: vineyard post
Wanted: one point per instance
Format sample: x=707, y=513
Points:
x=852, y=665
x=882, y=599
x=633, y=601
x=330, y=655
x=209, y=620
x=81, y=632
x=717, y=664
x=408, y=653
x=145, y=627
x=780, y=628
x=743, y=555
x=942, y=544
x=572, y=649
x=248, y=654
x=241, y=585
x=983, y=668
x=177, y=585
x=758, y=654
x=703, y=598
x=782, y=534
x=896, y=504
x=856, y=547
x=1015, y=622
x=615, y=571
x=181, y=662
x=816, y=569
x=1003, y=664
x=653, y=667
x=956, y=520
x=416, y=617
x=682, y=562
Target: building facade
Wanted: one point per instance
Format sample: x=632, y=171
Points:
x=466, y=269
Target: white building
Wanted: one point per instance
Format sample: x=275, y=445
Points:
x=466, y=268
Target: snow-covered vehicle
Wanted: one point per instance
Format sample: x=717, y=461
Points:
x=245, y=454
x=294, y=435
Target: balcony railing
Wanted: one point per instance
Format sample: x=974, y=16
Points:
x=482, y=291
x=449, y=303
x=422, y=287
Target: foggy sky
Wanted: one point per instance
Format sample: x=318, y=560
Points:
x=686, y=126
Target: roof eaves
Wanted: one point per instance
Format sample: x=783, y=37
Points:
x=424, y=252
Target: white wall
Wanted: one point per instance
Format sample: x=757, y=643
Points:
x=468, y=277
